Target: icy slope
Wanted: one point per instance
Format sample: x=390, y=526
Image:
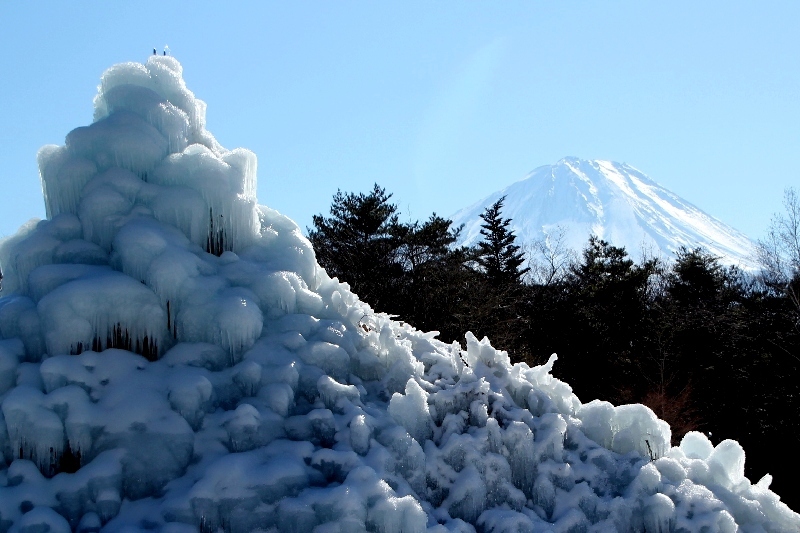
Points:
x=172, y=358
x=614, y=201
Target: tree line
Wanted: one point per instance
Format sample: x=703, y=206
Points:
x=708, y=347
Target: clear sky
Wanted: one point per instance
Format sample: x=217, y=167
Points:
x=440, y=102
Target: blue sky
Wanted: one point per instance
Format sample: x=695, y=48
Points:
x=439, y=102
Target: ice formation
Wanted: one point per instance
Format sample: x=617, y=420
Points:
x=172, y=358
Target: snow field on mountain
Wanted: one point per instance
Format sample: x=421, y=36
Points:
x=613, y=201
x=180, y=344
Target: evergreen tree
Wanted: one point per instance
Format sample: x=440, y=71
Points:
x=499, y=257
x=687, y=346
x=427, y=243
x=605, y=318
x=499, y=310
x=359, y=244
x=436, y=291
x=611, y=288
x=698, y=279
x=411, y=270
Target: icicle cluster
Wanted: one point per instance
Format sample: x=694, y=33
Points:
x=173, y=358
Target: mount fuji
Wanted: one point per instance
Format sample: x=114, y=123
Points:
x=614, y=201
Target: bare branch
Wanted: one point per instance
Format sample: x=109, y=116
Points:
x=779, y=252
x=549, y=258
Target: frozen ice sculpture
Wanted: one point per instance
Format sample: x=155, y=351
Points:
x=172, y=358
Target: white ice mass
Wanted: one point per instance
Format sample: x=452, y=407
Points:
x=172, y=358
x=613, y=201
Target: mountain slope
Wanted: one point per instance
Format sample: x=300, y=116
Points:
x=614, y=201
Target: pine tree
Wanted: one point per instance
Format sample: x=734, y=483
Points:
x=499, y=311
x=412, y=270
x=605, y=315
x=436, y=293
x=359, y=243
x=499, y=257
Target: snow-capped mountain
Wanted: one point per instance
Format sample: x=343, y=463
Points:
x=174, y=359
x=614, y=201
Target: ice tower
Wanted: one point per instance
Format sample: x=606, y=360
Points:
x=172, y=358
x=132, y=201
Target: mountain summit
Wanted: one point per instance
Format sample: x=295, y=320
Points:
x=614, y=201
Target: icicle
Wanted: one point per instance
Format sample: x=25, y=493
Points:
x=103, y=311
x=35, y=432
x=63, y=178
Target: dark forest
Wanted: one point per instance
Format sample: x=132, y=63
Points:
x=707, y=347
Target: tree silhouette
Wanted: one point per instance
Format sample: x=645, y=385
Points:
x=411, y=270
x=359, y=243
x=499, y=257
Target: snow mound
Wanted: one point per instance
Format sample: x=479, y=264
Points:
x=172, y=358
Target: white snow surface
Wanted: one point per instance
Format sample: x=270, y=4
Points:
x=613, y=201
x=245, y=390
